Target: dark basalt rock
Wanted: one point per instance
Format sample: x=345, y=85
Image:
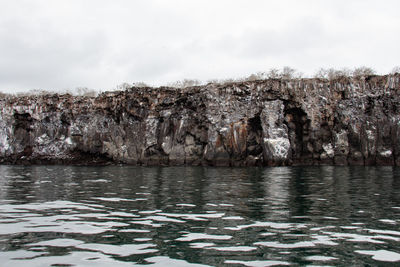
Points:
x=269, y=122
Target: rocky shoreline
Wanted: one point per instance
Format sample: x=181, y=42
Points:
x=347, y=121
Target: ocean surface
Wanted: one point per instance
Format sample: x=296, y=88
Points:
x=199, y=216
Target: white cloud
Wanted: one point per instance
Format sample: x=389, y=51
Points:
x=99, y=44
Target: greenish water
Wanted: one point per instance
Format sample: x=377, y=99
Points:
x=191, y=216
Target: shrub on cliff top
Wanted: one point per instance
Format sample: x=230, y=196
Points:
x=333, y=74
x=395, y=70
x=84, y=91
x=363, y=72
x=286, y=73
x=185, y=83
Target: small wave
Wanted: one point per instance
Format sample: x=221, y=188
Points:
x=381, y=255
x=199, y=236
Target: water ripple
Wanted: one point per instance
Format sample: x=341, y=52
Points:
x=124, y=216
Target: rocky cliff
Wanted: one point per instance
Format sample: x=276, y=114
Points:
x=267, y=122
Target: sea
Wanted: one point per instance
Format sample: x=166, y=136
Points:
x=199, y=216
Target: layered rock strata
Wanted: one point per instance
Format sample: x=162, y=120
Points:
x=267, y=122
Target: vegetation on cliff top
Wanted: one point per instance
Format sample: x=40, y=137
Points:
x=286, y=73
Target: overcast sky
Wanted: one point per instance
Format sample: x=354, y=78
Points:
x=64, y=44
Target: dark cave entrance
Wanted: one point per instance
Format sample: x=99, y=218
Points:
x=254, y=136
x=22, y=129
x=298, y=131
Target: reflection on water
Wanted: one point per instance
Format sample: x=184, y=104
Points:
x=194, y=216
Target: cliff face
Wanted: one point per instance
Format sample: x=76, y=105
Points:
x=272, y=122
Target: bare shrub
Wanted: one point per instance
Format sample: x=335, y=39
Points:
x=84, y=91
x=273, y=73
x=362, y=72
x=124, y=86
x=34, y=92
x=332, y=74
x=213, y=81
x=336, y=74
x=395, y=70
x=321, y=73
x=256, y=76
x=140, y=84
x=286, y=73
x=252, y=77
x=185, y=83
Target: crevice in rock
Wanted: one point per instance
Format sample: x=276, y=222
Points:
x=298, y=131
x=23, y=121
x=254, y=136
x=22, y=133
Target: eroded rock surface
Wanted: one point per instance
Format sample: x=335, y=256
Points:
x=270, y=122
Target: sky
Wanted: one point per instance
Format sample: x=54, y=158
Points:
x=65, y=44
